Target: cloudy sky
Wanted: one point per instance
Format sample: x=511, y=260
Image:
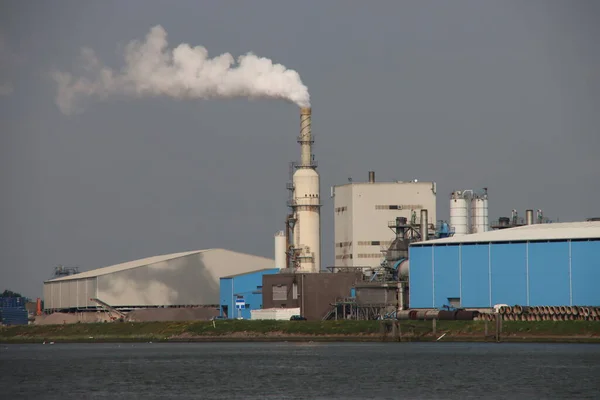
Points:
x=470, y=94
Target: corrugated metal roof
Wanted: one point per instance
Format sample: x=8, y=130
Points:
x=554, y=231
x=247, y=273
x=127, y=265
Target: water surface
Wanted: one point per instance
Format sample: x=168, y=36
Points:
x=300, y=371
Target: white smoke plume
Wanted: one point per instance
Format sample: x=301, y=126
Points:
x=152, y=69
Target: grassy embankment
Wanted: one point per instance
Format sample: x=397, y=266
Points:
x=239, y=330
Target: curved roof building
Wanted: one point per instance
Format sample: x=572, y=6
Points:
x=179, y=279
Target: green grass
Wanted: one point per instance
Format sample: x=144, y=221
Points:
x=324, y=330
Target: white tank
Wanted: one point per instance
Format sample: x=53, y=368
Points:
x=307, y=232
x=486, y=218
x=280, y=249
x=459, y=214
x=479, y=217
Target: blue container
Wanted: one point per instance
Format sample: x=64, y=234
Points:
x=14, y=316
x=12, y=302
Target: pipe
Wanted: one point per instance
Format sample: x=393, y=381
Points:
x=575, y=310
x=403, y=314
x=464, y=193
x=429, y=315
x=447, y=315
x=371, y=176
x=563, y=309
x=305, y=138
x=424, y=227
x=546, y=310
x=529, y=217
x=518, y=309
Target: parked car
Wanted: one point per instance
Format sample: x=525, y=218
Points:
x=297, y=318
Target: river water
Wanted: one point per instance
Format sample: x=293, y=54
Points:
x=300, y=371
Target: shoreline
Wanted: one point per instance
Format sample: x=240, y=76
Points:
x=304, y=339
x=305, y=331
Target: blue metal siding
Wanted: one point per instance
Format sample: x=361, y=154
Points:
x=421, y=277
x=509, y=273
x=549, y=274
x=249, y=286
x=533, y=273
x=585, y=272
x=475, y=275
x=446, y=272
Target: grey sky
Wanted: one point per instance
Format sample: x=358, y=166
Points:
x=503, y=94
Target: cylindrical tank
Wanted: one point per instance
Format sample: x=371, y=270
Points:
x=529, y=217
x=307, y=232
x=280, y=249
x=486, y=218
x=478, y=215
x=459, y=216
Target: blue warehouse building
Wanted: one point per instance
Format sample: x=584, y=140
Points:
x=535, y=265
x=244, y=289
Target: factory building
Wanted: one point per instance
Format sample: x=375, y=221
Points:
x=533, y=265
x=365, y=212
x=314, y=294
x=242, y=293
x=180, y=279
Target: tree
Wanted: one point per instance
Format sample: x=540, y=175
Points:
x=10, y=293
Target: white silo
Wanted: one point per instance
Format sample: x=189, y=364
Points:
x=459, y=213
x=280, y=250
x=306, y=202
x=486, y=218
x=479, y=217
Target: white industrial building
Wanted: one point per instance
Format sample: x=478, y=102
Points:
x=180, y=279
x=364, y=210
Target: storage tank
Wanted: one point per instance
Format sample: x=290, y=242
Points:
x=479, y=214
x=459, y=217
x=486, y=215
x=280, y=249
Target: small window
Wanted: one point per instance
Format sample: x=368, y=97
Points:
x=454, y=302
x=279, y=293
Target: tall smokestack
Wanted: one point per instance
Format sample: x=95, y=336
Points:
x=306, y=202
x=424, y=227
x=305, y=139
x=371, y=176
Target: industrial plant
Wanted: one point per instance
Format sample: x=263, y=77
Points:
x=393, y=259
